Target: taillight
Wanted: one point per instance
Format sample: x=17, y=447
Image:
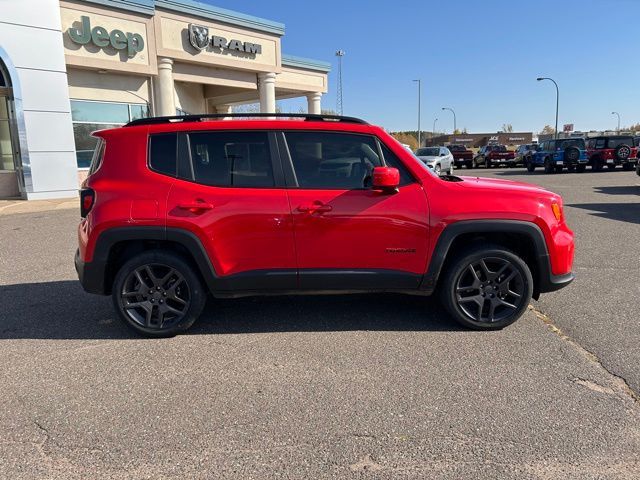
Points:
x=87, y=200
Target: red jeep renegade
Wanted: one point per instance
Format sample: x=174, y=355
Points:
x=175, y=207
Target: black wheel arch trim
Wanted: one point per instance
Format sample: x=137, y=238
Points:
x=544, y=280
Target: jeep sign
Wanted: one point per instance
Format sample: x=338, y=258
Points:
x=200, y=39
x=131, y=42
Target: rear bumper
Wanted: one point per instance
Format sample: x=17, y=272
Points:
x=91, y=275
x=550, y=283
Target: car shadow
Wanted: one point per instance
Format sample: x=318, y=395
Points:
x=623, y=212
x=619, y=190
x=62, y=310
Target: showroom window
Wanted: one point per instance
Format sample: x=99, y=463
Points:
x=89, y=116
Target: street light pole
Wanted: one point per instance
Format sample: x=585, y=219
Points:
x=419, y=102
x=539, y=79
x=616, y=113
x=455, y=126
x=433, y=131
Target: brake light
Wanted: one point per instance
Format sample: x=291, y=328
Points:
x=87, y=200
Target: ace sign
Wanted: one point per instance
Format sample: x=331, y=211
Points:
x=100, y=37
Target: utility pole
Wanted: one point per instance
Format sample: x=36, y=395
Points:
x=616, y=113
x=455, y=126
x=339, y=54
x=419, y=93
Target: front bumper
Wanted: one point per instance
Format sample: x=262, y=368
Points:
x=91, y=275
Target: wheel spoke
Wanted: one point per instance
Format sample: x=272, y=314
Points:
x=140, y=279
x=144, y=304
x=152, y=276
x=478, y=299
x=507, y=304
x=485, y=269
x=496, y=275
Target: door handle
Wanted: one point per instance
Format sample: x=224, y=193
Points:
x=315, y=207
x=195, y=206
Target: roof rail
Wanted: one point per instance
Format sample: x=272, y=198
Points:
x=309, y=117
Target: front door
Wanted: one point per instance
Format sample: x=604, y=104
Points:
x=348, y=235
x=230, y=194
x=9, y=157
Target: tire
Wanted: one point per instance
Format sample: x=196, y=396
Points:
x=581, y=168
x=158, y=294
x=548, y=166
x=469, y=165
x=623, y=152
x=437, y=169
x=559, y=168
x=611, y=166
x=480, y=297
x=531, y=167
x=571, y=168
x=487, y=163
x=627, y=166
x=596, y=165
x=451, y=169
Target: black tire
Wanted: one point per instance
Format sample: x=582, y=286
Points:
x=531, y=167
x=623, y=152
x=559, y=168
x=571, y=168
x=627, y=166
x=571, y=154
x=466, y=287
x=581, y=167
x=596, y=164
x=611, y=166
x=487, y=163
x=469, y=165
x=158, y=294
x=548, y=166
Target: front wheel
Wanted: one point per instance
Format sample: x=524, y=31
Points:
x=487, y=288
x=611, y=166
x=548, y=166
x=437, y=169
x=158, y=294
x=469, y=165
x=530, y=166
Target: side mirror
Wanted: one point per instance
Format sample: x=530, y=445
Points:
x=386, y=178
x=443, y=154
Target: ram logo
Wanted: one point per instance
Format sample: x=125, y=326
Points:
x=198, y=36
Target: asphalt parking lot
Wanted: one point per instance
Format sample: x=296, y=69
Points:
x=327, y=387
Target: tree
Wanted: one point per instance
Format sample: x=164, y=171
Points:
x=507, y=128
x=632, y=128
x=548, y=130
x=406, y=138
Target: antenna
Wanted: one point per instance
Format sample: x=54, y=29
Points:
x=339, y=54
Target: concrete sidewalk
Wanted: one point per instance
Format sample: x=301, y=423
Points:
x=9, y=207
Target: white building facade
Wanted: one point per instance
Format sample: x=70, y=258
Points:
x=68, y=67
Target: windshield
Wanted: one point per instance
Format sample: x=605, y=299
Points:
x=456, y=148
x=571, y=142
x=616, y=142
x=428, y=152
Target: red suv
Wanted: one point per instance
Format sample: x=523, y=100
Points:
x=175, y=207
x=612, y=150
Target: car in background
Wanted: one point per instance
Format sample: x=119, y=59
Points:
x=439, y=159
x=524, y=154
x=461, y=156
x=491, y=155
x=612, y=150
x=555, y=155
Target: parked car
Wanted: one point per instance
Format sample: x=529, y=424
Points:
x=461, y=156
x=555, y=155
x=176, y=207
x=439, y=159
x=524, y=154
x=491, y=155
x=612, y=150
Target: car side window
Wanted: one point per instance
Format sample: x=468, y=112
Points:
x=391, y=160
x=600, y=143
x=163, y=149
x=231, y=159
x=327, y=160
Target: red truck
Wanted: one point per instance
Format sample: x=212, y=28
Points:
x=491, y=155
x=461, y=156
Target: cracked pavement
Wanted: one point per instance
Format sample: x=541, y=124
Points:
x=361, y=386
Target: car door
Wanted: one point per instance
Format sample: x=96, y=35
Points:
x=348, y=235
x=230, y=193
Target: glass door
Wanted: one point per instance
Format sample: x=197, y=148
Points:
x=6, y=144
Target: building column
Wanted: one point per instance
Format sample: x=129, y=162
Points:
x=166, y=88
x=313, y=103
x=267, y=91
x=223, y=109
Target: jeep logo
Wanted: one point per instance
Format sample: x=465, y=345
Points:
x=200, y=39
x=131, y=42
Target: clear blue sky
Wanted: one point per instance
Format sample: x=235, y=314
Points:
x=479, y=57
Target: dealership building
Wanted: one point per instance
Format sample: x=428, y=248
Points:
x=69, y=67
x=476, y=140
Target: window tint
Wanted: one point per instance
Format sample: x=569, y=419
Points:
x=616, y=142
x=98, y=155
x=162, y=153
x=600, y=143
x=333, y=160
x=231, y=159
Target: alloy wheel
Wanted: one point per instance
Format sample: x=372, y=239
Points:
x=155, y=296
x=490, y=290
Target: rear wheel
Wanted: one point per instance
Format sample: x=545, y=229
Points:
x=487, y=288
x=596, y=165
x=559, y=168
x=571, y=168
x=530, y=165
x=158, y=294
x=627, y=166
x=469, y=165
x=611, y=166
x=548, y=166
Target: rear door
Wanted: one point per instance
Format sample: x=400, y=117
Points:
x=230, y=193
x=348, y=235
